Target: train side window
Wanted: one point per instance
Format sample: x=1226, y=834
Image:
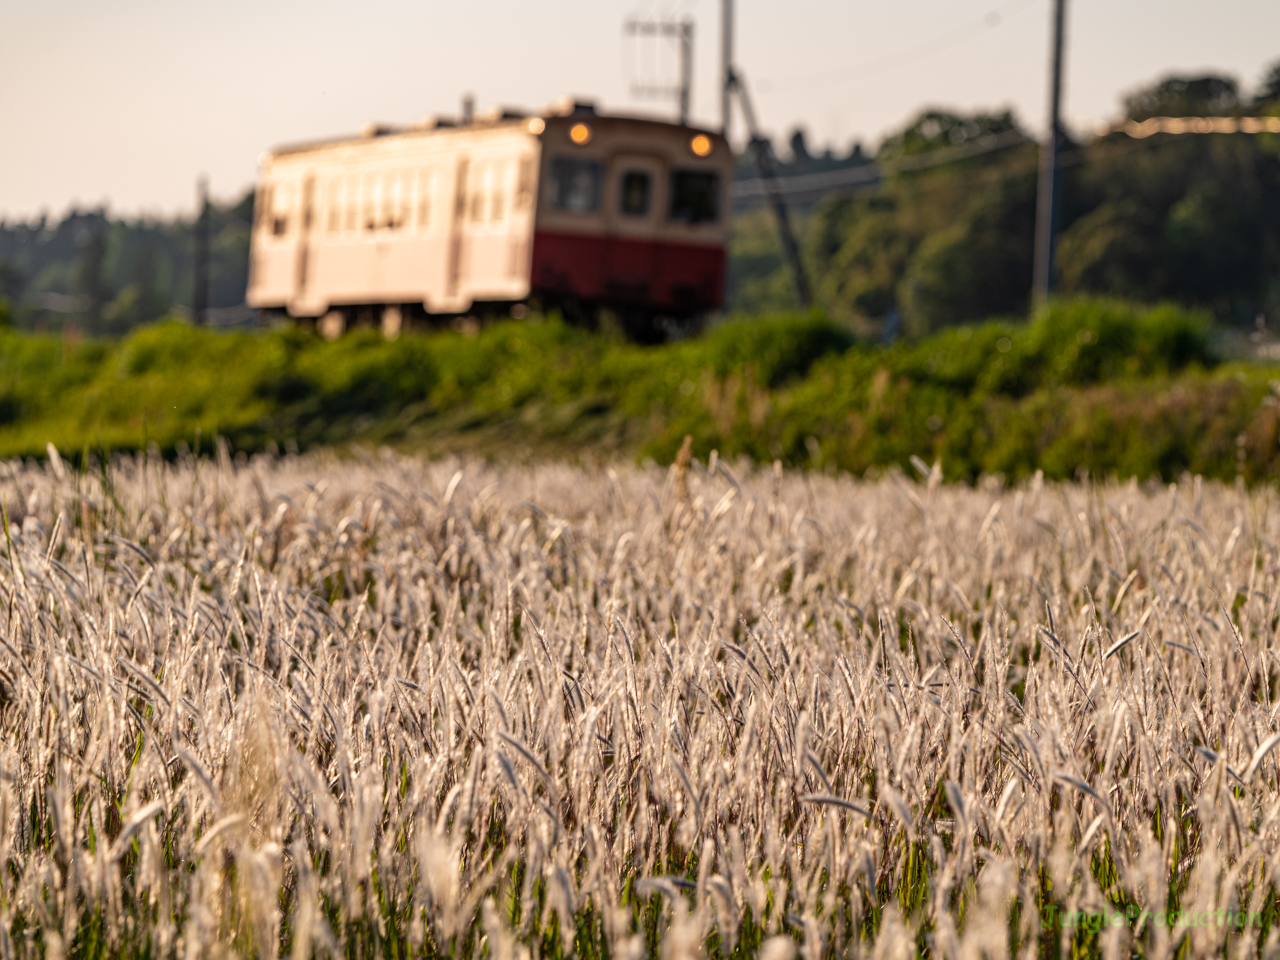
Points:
x=335, y=204
x=372, y=196
x=281, y=210
x=524, y=191
x=404, y=216
x=390, y=198
x=263, y=207
x=636, y=188
x=350, y=195
x=308, y=204
x=393, y=200
x=575, y=185
x=481, y=181
x=424, y=198
x=695, y=196
x=497, y=199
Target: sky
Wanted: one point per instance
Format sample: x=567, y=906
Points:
x=124, y=103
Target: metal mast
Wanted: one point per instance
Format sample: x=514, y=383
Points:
x=1047, y=199
x=200, y=263
x=682, y=31
x=767, y=167
x=726, y=64
x=686, y=69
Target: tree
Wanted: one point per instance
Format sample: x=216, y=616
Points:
x=937, y=129
x=942, y=246
x=1111, y=248
x=140, y=300
x=978, y=267
x=1193, y=219
x=799, y=148
x=860, y=249
x=91, y=279
x=1177, y=96
x=143, y=276
x=1269, y=89
x=13, y=280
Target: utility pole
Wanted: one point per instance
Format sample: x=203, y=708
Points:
x=767, y=167
x=200, y=264
x=1047, y=198
x=726, y=63
x=686, y=69
x=682, y=31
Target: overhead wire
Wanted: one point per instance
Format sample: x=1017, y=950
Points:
x=872, y=180
x=990, y=20
x=849, y=176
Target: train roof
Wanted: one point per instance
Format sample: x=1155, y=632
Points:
x=495, y=118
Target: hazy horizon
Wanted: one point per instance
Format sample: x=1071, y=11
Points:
x=126, y=105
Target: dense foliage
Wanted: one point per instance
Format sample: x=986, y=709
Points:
x=1193, y=219
x=106, y=275
x=1092, y=384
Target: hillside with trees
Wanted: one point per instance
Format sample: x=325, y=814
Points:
x=105, y=275
x=1193, y=219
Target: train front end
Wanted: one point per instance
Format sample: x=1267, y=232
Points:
x=632, y=215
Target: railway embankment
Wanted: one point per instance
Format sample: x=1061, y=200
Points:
x=1103, y=386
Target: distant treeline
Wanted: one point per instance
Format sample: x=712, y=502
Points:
x=1190, y=218
x=105, y=275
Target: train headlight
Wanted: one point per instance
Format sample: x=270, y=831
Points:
x=580, y=134
x=537, y=125
x=701, y=145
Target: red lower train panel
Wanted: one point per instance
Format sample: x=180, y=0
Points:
x=624, y=271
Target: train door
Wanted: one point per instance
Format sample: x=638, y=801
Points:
x=457, y=229
x=633, y=215
x=303, y=268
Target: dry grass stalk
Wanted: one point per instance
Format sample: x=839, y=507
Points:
x=288, y=707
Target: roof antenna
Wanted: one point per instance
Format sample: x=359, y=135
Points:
x=468, y=108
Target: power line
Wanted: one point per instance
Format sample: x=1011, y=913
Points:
x=755, y=189
x=871, y=175
x=993, y=18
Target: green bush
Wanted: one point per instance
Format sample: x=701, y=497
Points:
x=1098, y=384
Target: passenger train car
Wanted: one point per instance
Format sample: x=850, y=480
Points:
x=572, y=209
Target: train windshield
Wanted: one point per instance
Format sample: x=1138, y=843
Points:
x=575, y=184
x=635, y=193
x=695, y=196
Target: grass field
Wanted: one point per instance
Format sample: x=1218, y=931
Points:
x=389, y=707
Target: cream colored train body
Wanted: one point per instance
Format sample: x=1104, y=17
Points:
x=572, y=208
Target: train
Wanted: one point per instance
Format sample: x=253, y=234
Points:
x=568, y=209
